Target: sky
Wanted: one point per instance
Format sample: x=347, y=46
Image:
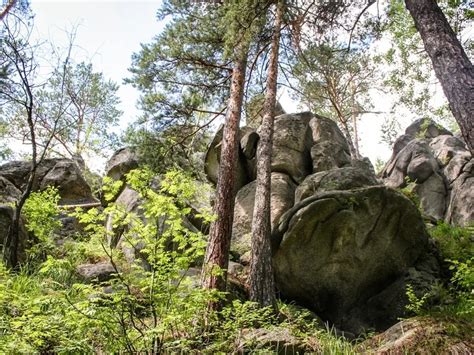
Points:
x=110, y=31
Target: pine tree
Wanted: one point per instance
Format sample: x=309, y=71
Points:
x=243, y=20
x=261, y=280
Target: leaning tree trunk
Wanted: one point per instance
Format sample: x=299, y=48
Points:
x=261, y=280
x=216, y=261
x=450, y=62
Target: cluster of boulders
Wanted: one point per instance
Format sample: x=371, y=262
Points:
x=435, y=165
x=344, y=244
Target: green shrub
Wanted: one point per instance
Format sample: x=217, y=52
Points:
x=457, y=248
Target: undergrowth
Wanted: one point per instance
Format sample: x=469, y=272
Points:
x=150, y=305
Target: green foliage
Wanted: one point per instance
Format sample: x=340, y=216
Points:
x=87, y=106
x=454, y=242
x=152, y=304
x=409, y=191
x=415, y=304
x=455, y=299
x=41, y=212
x=335, y=83
x=144, y=307
x=184, y=81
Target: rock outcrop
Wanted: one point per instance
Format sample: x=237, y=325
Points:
x=344, y=245
x=64, y=174
x=438, y=168
x=121, y=162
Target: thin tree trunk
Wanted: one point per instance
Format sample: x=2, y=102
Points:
x=450, y=62
x=354, y=123
x=261, y=280
x=214, y=275
x=12, y=242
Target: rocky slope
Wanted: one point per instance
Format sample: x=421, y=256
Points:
x=345, y=243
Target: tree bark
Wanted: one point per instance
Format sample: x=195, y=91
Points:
x=12, y=242
x=4, y=12
x=261, y=280
x=450, y=62
x=214, y=275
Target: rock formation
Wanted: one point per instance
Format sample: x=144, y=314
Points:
x=438, y=168
x=64, y=174
x=344, y=245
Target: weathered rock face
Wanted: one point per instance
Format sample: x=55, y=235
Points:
x=337, y=179
x=440, y=168
x=291, y=145
x=282, y=196
x=344, y=245
x=341, y=248
x=8, y=192
x=61, y=173
x=122, y=161
x=330, y=149
x=211, y=161
x=72, y=187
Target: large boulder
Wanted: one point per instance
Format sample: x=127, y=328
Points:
x=8, y=192
x=282, y=198
x=292, y=142
x=71, y=185
x=17, y=172
x=432, y=194
x=340, y=249
x=461, y=202
x=100, y=272
x=122, y=161
x=426, y=128
x=330, y=149
x=414, y=162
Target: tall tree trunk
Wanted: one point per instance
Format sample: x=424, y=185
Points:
x=261, y=280
x=450, y=62
x=214, y=275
